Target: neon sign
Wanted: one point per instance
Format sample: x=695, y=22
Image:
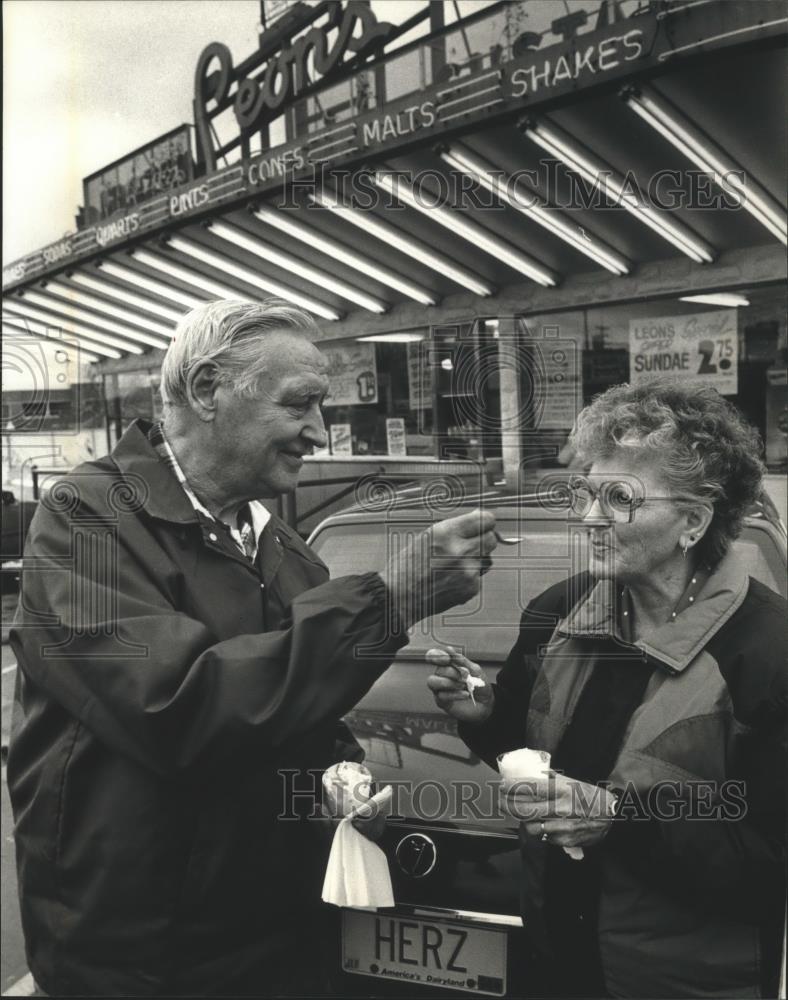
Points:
x=259, y=100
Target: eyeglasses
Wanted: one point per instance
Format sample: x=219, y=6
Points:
x=619, y=499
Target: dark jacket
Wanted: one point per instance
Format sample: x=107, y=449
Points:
x=163, y=687
x=692, y=883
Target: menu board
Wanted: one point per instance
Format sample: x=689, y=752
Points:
x=155, y=169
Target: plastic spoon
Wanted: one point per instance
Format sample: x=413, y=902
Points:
x=510, y=540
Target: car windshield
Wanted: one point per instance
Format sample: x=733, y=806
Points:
x=551, y=551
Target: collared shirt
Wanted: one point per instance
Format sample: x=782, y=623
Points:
x=247, y=541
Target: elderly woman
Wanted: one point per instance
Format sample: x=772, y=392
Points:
x=657, y=681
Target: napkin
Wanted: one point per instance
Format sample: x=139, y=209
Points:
x=357, y=873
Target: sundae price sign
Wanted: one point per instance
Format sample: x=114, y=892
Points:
x=700, y=347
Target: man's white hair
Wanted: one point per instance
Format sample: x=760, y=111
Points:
x=230, y=333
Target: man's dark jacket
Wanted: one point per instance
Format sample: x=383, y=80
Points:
x=163, y=686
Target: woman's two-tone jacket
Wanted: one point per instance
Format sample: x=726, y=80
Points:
x=692, y=871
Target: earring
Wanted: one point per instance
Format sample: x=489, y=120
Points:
x=684, y=548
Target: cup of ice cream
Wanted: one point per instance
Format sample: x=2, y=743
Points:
x=523, y=765
x=528, y=765
x=347, y=786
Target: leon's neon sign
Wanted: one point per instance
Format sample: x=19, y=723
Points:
x=258, y=100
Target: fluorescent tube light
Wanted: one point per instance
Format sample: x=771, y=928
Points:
x=191, y=277
x=681, y=134
x=549, y=218
x=84, y=355
x=244, y=274
x=142, y=281
x=74, y=296
x=22, y=309
x=105, y=288
x=393, y=338
x=129, y=337
x=717, y=299
x=607, y=181
x=391, y=236
x=468, y=230
x=285, y=260
x=279, y=220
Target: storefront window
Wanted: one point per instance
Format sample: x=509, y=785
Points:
x=131, y=396
x=466, y=365
x=431, y=392
x=379, y=403
x=79, y=406
x=737, y=344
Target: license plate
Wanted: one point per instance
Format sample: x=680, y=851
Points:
x=426, y=952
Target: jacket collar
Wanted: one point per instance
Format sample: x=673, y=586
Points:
x=134, y=455
x=676, y=643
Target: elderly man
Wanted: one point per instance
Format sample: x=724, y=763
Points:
x=179, y=647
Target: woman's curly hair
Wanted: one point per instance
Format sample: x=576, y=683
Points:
x=704, y=448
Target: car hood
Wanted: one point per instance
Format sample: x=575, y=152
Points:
x=414, y=746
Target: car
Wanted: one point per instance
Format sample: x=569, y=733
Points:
x=17, y=516
x=454, y=864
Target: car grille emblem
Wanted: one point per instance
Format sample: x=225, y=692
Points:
x=416, y=855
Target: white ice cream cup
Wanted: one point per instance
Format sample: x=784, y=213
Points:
x=347, y=786
x=523, y=765
x=528, y=765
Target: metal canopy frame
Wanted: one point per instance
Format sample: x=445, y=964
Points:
x=130, y=293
